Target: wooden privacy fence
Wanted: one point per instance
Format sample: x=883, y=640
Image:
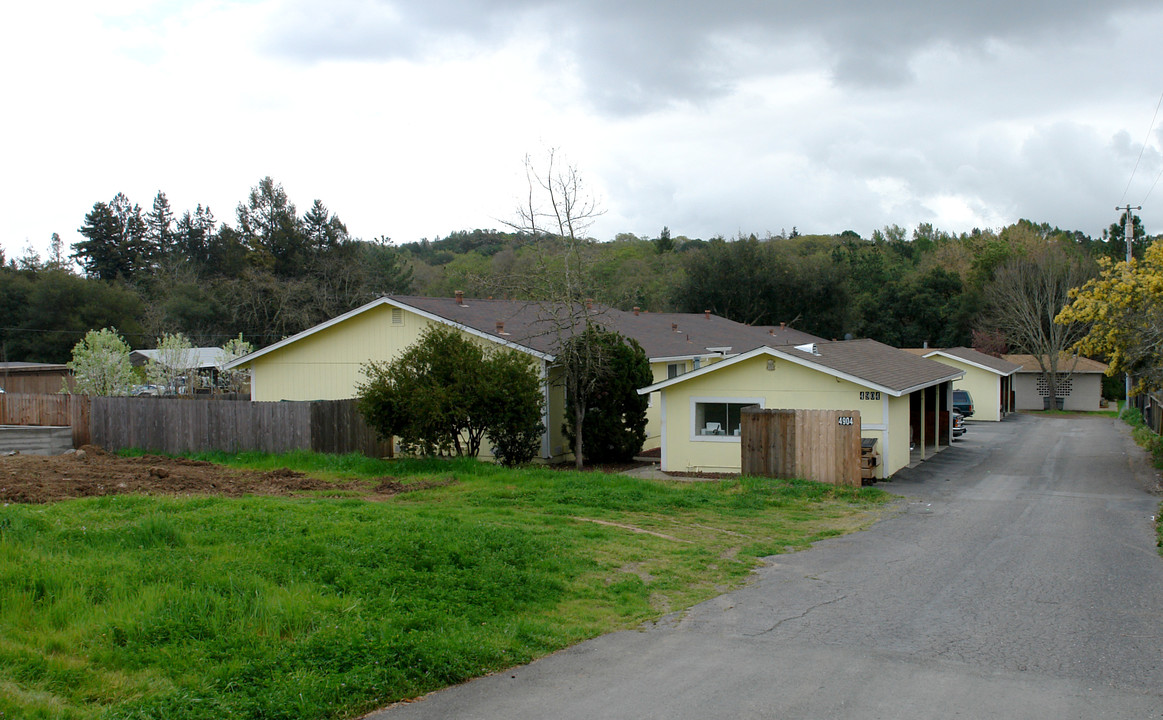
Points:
x=185, y=425
x=821, y=445
x=48, y=410
x=194, y=425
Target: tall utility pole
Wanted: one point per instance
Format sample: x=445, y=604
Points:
x=1129, y=238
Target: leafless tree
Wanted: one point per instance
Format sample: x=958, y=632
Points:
x=1025, y=296
x=558, y=213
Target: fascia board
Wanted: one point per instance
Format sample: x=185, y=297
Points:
x=473, y=331
x=979, y=366
x=238, y=362
x=676, y=358
x=804, y=362
x=948, y=378
x=703, y=370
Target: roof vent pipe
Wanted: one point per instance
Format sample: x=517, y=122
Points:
x=589, y=303
x=783, y=326
x=707, y=314
x=771, y=331
x=674, y=327
x=460, y=297
x=637, y=310
x=500, y=327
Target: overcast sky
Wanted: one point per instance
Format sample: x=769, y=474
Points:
x=411, y=118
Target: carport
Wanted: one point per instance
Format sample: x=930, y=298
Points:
x=930, y=421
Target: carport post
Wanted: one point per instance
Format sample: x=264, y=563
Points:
x=923, y=394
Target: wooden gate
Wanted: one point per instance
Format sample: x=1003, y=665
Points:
x=821, y=445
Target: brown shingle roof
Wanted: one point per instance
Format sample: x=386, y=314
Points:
x=969, y=355
x=878, y=363
x=662, y=335
x=864, y=362
x=1066, y=363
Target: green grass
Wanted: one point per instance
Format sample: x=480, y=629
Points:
x=136, y=607
x=1148, y=440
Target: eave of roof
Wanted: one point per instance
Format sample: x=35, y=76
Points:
x=391, y=302
x=805, y=359
x=1066, y=364
x=969, y=357
x=526, y=328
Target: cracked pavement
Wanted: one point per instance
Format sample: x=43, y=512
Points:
x=1018, y=577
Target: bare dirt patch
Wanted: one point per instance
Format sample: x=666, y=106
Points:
x=93, y=472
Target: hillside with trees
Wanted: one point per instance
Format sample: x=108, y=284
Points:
x=273, y=271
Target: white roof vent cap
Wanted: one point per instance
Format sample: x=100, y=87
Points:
x=809, y=348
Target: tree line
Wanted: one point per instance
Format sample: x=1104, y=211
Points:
x=270, y=274
x=273, y=272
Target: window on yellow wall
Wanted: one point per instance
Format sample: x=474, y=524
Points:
x=673, y=370
x=719, y=419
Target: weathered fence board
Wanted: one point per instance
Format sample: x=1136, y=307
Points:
x=193, y=425
x=822, y=445
x=25, y=409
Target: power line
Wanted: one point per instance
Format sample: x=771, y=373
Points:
x=1157, y=176
x=1142, y=150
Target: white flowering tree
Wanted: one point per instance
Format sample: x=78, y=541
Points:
x=101, y=364
x=237, y=380
x=174, y=365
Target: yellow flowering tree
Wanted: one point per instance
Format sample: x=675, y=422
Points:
x=1124, y=309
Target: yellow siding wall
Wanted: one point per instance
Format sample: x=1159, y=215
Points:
x=326, y=365
x=983, y=386
x=788, y=386
x=894, y=449
x=654, y=412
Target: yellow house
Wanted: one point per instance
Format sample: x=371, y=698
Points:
x=989, y=380
x=325, y=362
x=903, y=400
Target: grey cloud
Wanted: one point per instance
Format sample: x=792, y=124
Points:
x=634, y=54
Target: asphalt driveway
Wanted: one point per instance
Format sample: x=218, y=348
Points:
x=1017, y=577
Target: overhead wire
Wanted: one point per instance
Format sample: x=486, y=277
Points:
x=1142, y=150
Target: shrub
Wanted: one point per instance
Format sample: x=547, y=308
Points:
x=614, y=421
x=445, y=393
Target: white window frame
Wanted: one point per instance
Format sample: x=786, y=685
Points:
x=678, y=367
x=696, y=401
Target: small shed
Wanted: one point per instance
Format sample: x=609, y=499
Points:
x=34, y=378
x=1079, y=383
x=205, y=362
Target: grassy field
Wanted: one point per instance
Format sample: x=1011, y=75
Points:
x=323, y=607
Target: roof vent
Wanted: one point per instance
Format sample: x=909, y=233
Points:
x=809, y=348
x=460, y=297
x=501, y=328
x=674, y=327
x=707, y=314
x=637, y=310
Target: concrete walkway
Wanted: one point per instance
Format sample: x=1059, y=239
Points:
x=1017, y=578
